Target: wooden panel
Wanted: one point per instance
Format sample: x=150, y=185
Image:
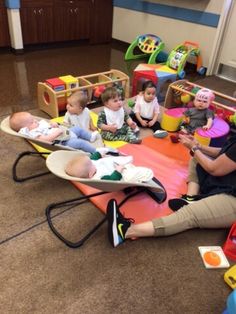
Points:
x=4, y=29
x=36, y=3
x=101, y=21
x=37, y=24
x=71, y=20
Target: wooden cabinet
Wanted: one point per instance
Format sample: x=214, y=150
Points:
x=37, y=21
x=72, y=19
x=4, y=30
x=101, y=21
x=45, y=21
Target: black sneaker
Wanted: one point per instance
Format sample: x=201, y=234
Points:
x=117, y=224
x=177, y=203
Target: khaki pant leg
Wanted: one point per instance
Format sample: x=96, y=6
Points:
x=217, y=211
x=192, y=172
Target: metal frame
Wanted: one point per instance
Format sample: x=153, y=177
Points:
x=16, y=178
x=130, y=192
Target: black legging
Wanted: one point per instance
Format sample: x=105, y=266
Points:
x=156, y=125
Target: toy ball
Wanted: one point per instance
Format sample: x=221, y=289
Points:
x=195, y=89
x=212, y=258
x=177, y=100
x=98, y=91
x=185, y=98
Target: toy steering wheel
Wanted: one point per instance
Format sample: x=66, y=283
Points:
x=148, y=43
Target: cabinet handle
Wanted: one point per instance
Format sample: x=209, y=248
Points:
x=76, y=10
x=40, y=11
x=35, y=11
x=71, y=11
x=71, y=1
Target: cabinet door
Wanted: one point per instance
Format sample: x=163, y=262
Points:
x=4, y=30
x=72, y=19
x=101, y=21
x=37, y=21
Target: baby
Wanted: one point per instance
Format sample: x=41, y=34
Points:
x=26, y=124
x=114, y=121
x=147, y=109
x=107, y=168
x=200, y=116
x=77, y=112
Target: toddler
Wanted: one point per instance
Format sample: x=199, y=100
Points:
x=114, y=121
x=77, y=112
x=75, y=137
x=146, y=109
x=200, y=116
x=107, y=168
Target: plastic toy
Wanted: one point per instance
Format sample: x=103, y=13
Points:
x=231, y=303
x=232, y=119
x=230, y=245
x=147, y=45
x=98, y=91
x=164, y=74
x=52, y=101
x=230, y=277
x=178, y=57
x=70, y=81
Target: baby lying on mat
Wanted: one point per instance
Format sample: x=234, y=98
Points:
x=108, y=168
x=26, y=124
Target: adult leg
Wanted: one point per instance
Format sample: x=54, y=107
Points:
x=192, y=189
x=217, y=211
x=192, y=180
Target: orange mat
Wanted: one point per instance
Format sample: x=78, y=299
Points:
x=169, y=163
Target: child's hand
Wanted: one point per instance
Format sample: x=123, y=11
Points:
x=58, y=131
x=186, y=120
x=113, y=128
x=119, y=168
x=151, y=123
x=54, y=124
x=132, y=124
x=205, y=127
x=144, y=123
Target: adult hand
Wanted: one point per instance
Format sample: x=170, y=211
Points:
x=188, y=140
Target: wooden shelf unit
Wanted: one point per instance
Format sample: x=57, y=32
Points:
x=169, y=100
x=49, y=100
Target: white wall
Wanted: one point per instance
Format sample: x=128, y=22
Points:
x=128, y=24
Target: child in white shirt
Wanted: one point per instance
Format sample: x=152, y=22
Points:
x=114, y=121
x=77, y=112
x=147, y=109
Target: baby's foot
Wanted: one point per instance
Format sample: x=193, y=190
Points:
x=136, y=130
x=136, y=141
x=94, y=136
